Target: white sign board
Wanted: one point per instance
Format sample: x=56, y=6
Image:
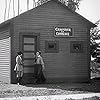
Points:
x=63, y=31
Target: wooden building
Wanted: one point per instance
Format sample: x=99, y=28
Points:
x=59, y=33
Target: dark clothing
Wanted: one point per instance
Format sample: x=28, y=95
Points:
x=39, y=73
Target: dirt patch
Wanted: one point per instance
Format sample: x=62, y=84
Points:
x=13, y=90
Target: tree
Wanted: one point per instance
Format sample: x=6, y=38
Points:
x=94, y=36
x=72, y=4
x=95, y=48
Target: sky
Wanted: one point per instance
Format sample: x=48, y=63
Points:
x=90, y=9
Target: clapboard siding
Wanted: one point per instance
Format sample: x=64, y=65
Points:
x=5, y=56
x=42, y=20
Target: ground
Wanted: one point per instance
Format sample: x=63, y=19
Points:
x=14, y=90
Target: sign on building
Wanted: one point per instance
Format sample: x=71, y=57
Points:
x=63, y=31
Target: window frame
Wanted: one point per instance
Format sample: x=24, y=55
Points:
x=56, y=46
x=76, y=43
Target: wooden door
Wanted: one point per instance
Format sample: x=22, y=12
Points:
x=29, y=47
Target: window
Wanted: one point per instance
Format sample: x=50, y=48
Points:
x=51, y=46
x=76, y=46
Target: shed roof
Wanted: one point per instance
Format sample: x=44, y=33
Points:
x=78, y=15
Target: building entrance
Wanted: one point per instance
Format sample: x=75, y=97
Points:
x=28, y=47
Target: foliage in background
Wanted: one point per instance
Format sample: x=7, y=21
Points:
x=94, y=37
x=95, y=49
x=72, y=4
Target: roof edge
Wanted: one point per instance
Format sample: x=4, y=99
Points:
x=90, y=23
